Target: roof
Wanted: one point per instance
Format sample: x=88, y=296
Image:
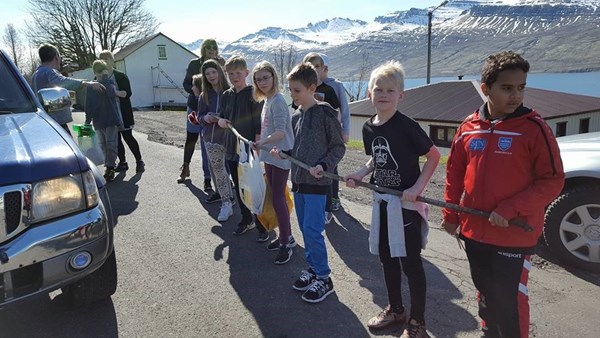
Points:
x=129, y=49
x=452, y=101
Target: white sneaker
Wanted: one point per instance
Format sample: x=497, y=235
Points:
x=226, y=212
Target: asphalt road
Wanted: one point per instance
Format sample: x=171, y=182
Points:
x=182, y=274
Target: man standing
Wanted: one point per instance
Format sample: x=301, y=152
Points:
x=47, y=75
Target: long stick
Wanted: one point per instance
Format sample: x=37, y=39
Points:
x=455, y=207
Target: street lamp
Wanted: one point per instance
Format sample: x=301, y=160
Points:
x=430, y=16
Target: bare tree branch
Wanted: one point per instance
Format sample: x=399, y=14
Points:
x=81, y=28
x=13, y=41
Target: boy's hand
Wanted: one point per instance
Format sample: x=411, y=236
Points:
x=317, y=171
x=450, y=228
x=224, y=123
x=351, y=179
x=410, y=194
x=97, y=86
x=345, y=137
x=498, y=220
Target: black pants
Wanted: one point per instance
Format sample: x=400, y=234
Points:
x=190, y=145
x=132, y=143
x=412, y=263
x=501, y=281
x=246, y=214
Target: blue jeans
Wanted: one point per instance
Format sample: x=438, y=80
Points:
x=310, y=211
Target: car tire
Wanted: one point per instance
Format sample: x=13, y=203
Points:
x=99, y=285
x=572, y=227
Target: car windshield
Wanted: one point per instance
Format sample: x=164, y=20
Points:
x=13, y=95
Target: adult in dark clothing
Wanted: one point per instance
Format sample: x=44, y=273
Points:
x=122, y=82
x=208, y=50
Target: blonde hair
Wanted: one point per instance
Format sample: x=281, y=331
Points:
x=391, y=70
x=106, y=54
x=258, y=94
x=236, y=62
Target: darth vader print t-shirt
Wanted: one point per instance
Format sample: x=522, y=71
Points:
x=395, y=147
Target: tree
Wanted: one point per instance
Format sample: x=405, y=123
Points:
x=285, y=58
x=358, y=89
x=12, y=40
x=81, y=28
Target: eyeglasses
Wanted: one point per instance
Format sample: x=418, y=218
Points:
x=211, y=47
x=263, y=79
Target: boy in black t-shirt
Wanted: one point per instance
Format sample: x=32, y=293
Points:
x=398, y=225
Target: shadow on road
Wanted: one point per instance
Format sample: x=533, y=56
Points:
x=123, y=195
x=45, y=317
x=266, y=291
x=444, y=318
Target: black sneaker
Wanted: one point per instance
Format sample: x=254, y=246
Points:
x=262, y=237
x=284, y=255
x=207, y=185
x=328, y=217
x=140, y=166
x=243, y=227
x=318, y=290
x=275, y=244
x=305, y=280
x=122, y=166
x=109, y=175
x=214, y=197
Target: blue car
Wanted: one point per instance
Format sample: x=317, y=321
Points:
x=56, y=224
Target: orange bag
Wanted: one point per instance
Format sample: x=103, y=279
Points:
x=268, y=218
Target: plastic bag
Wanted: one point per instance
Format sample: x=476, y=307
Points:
x=251, y=182
x=88, y=143
x=267, y=217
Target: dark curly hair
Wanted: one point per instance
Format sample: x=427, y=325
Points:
x=500, y=61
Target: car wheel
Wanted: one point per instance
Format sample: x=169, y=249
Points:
x=99, y=285
x=572, y=227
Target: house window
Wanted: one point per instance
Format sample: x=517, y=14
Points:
x=584, y=125
x=561, y=129
x=441, y=135
x=162, y=52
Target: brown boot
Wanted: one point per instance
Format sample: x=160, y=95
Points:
x=185, y=173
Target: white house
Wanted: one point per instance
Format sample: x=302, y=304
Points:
x=156, y=68
x=440, y=108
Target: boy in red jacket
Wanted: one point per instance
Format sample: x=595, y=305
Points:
x=504, y=159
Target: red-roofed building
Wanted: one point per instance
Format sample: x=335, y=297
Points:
x=440, y=108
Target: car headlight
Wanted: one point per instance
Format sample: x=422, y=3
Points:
x=63, y=195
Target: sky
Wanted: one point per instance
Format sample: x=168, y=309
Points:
x=189, y=20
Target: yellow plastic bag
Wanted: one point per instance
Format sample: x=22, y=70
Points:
x=268, y=218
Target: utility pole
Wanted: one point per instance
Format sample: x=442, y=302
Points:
x=430, y=17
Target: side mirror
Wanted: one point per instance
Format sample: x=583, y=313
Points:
x=54, y=99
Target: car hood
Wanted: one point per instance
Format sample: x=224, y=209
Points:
x=33, y=149
x=580, y=155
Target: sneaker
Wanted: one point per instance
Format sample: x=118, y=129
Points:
x=140, y=166
x=328, y=217
x=284, y=255
x=207, y=185
x=244, y=227
x=262, y=237
x=225, y=212
x=214, y=197
x=305, y=280
x=275, y=244
x=122, y=166
x=335, y=204
x=318, y=290
x=415, y=329
x=109, y=175
x=386, y=318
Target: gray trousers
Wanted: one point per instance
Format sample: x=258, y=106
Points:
x=109, y=141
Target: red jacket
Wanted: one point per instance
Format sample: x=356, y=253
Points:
x=512, y=167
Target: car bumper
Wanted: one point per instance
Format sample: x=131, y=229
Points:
x=38, y=259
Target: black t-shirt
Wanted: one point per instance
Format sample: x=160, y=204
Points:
x=325, y=93
x=395, y=147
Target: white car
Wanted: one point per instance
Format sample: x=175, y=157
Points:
x=572, y=226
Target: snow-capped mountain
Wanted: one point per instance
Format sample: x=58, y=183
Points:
x=554, y=35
